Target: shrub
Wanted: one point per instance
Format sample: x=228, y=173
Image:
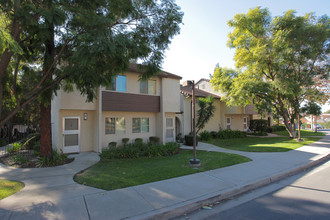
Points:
x=19, y=159
x=154, y=140
x=57, y=159
x=138, y=140
x=214, y=134
x=125, y=141
x=278, y=128
x=229, y=134
x=258, y=125
x=205, y=136
x=259, y=134
x=269, y=130
x=31, y=140
x=17, y=146
x=179, y=138
x=36, y=147
x=136, y=150
x=189, y=140
x=112, y=145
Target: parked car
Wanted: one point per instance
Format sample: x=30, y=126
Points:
x=318, y=126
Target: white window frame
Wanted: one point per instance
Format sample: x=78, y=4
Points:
x=148, y=83
x=116, y=119
x=141, y=130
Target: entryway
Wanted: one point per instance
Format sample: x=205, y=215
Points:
x=71, y=134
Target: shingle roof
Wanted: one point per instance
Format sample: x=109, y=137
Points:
x=135, y=68
x=187, y=90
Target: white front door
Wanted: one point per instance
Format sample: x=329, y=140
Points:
x=244, y=124
x=169, y=136
x=71, y=134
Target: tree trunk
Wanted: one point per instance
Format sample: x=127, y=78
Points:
x=45, y=131
x=45, y=106
x=291, y=129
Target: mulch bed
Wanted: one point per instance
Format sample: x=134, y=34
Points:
x=30, y=160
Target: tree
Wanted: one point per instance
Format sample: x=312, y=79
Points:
x=280, y=61
x=205, y=112
x=312, y=108
x=81, y=43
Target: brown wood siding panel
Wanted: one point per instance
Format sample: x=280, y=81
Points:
x=114, y=101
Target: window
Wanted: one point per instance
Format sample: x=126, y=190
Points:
x=228, y=123
x=140, y=125
x=118, y=84
x=115, y=125
x=148, y=87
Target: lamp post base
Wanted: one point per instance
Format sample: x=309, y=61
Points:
x=195, y=163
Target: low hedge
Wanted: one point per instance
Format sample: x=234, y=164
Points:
x=136, y=150
x=229, y=134
x=189, y=140
x=205, y=136
x=278, y=128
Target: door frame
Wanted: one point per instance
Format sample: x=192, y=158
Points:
x=170, y=128
x=74, y=148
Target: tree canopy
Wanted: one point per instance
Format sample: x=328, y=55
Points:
x=82, y=43
x=281, y=61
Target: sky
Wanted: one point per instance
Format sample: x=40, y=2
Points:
x=202, y=42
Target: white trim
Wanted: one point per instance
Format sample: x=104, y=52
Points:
x=75, y=148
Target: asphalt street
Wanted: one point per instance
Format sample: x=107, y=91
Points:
x=304, y=196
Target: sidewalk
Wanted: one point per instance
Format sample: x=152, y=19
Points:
x=50, y=193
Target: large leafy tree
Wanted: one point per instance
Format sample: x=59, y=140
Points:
x=84, y=43
x=280, y=61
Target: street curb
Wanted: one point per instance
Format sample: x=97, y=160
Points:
x=195, y=204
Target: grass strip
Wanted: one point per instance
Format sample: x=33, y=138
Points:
x=120, y=173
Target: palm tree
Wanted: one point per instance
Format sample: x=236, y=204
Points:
x=205, y=112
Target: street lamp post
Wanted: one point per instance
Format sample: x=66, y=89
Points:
x=194, y=161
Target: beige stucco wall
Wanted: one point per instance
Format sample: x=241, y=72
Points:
x=214, y=123
x=75, y=101
x=107, y=138
x=87, y=131
x=171, y=95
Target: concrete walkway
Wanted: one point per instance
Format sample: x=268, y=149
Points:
x=50, y=193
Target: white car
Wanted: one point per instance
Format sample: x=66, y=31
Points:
x=318, y=126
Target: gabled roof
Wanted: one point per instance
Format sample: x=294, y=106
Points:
x=187, y=90
x=202, y=79
x=133, y=67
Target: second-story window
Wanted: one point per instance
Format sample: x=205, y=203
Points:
x=148, y=87
x=118, y=84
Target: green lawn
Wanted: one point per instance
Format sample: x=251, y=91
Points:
x=8, y=187
x=257, y=144
x=120, y=173
x=303, y=133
